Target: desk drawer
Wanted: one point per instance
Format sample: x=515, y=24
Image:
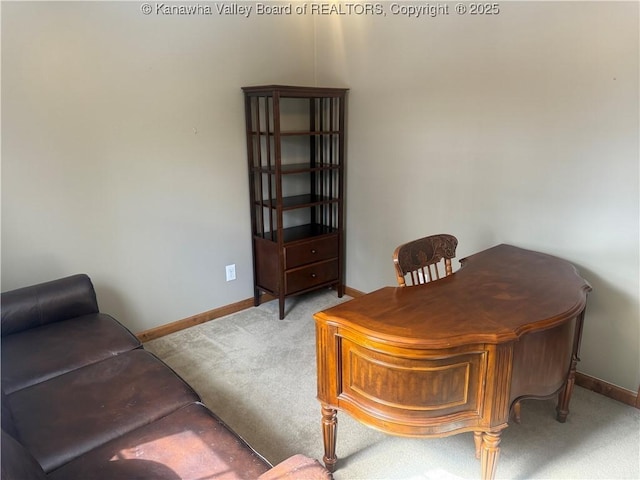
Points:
x=310, y=252
x=424, y=390
x=310, y=276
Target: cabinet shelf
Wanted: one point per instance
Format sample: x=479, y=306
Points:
x=297, y=201
x=294, y=168
x=298, y=133
x=295, y=151
x=301, y=232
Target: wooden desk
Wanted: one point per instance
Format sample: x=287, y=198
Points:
x=455, y=355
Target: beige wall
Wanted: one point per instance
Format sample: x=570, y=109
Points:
x=123, y=151
x=520, y=128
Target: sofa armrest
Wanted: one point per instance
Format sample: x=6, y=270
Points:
x=298, y=467
x=48, y=302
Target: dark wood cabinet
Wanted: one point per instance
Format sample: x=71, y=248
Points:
x=296, y=150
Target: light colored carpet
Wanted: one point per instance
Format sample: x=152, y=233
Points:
x=258, y=374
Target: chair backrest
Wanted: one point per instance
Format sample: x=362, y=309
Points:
x=421, y=260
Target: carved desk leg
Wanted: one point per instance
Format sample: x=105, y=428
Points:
x=490, y=453
x=565, y=394
x=329, y=427
x=477, y=440
x=517, y=416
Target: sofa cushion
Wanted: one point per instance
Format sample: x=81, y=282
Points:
x=69, y=415
x=17, y=462
x=47, y=302
x=191, y=443
x=94, y=337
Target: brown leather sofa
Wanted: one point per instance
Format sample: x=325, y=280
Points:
x=82, y=399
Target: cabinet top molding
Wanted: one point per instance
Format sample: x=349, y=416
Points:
x=294, y=91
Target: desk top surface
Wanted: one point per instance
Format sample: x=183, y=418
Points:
x=497, y=295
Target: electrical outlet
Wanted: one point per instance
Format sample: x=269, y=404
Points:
x=231, y=272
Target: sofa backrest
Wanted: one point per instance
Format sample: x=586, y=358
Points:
x=47, y=302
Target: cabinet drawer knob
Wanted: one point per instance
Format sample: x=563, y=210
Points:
x=313, y=275
x=314, y=251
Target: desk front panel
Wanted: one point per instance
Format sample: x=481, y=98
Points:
x=413, y=387
x=407, y=391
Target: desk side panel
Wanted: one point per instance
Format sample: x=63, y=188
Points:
x=542, y=360
x=328, y=371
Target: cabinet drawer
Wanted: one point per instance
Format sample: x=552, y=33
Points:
x=310, y=252
x=310, y=276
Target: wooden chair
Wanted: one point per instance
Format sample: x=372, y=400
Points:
x=425, y=259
